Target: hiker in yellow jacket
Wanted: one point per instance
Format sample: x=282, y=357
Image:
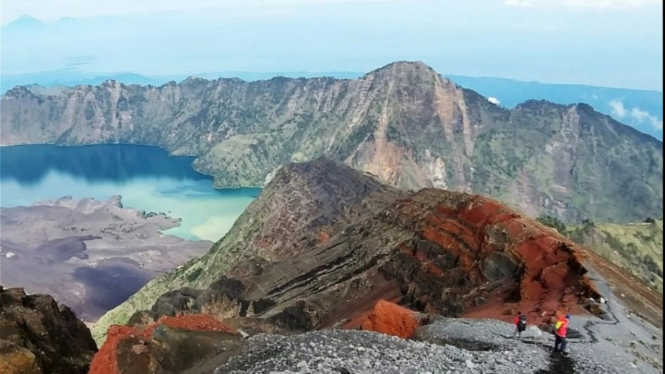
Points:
x=560, y=332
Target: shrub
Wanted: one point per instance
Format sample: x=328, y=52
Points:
x=552, y=221
x=194, y=275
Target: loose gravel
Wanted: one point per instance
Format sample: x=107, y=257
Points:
x=446, y=346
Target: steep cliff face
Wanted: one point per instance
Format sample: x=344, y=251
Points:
x=304, y=205
x=573, y=161
x=403, y=123
x=324, y=243
x=436, y=251
x=38, y=336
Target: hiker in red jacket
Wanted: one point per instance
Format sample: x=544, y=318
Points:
x=520, y=324
x=560, y=332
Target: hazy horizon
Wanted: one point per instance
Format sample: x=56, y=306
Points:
x=609, y=43
x=88, y=75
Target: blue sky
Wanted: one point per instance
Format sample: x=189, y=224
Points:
x=616, y=43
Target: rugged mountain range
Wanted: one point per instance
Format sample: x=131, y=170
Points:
x=324, y=242
x=403, y=123
x=322, y=249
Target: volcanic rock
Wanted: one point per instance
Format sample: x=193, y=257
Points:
x=435, y=251
x=170, y=345
x=38, y=336
x=392, y=319
x=403, y=122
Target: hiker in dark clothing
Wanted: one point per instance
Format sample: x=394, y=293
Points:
x=560, y=332
x=520, y=324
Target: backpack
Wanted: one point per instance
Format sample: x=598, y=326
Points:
x=522, y=323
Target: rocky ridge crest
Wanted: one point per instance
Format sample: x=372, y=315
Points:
x=439, y=252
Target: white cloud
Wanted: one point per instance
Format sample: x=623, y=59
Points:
x=493, y=100
x=636, y=114
x=642, y=116
x=618, y=110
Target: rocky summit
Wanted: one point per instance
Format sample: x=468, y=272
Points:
x=38, y=336
x=326, y=247
x=404, y=123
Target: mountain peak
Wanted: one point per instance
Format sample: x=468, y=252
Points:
x=417, y=67
x=403, y=123
x=404, y=65
x=329, y=251
x=412, y=71
x=324, y=181
x=24, y=21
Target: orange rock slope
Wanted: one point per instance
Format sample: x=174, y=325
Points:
x=435, y=251
x=470, y=256
x=473, y=255
x=391, y=319
x=106, y=359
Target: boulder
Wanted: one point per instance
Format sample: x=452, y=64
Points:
x=172, y=344
x=39, y=336
x=15, y=359
x=392, y=319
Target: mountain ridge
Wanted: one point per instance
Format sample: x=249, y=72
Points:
x=324, y=241
x=404, y=123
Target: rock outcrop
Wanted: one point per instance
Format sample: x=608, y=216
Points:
x=38, y=336
x=391, y=319
x=404, y=123
x=168, y=346
x=434, y=251
x=440, y=252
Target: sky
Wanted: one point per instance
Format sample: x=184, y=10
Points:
x=614, y=43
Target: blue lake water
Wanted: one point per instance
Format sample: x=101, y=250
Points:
x=146, y=177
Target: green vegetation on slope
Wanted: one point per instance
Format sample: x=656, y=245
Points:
x=403, y=123
x=637, y=247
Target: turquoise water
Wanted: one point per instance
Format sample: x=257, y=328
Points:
x=146, y=177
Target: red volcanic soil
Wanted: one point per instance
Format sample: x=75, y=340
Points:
x=551, y=264
x=391, y=319
x=496, y=262
x=194, y=322
x=555, y=269
x=323, y=237
x=481, y=234
x=105, y=361
x=479, y=259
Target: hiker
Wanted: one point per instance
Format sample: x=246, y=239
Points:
x=520, y=324
x=560, y=332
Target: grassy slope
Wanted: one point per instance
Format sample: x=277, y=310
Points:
x=199, y=272
x=637, y=247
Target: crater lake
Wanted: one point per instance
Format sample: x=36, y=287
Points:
x=146, y=177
